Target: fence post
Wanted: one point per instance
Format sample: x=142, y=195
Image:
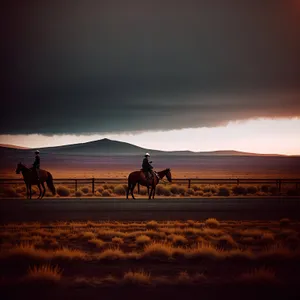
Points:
x=75, y=185
x=189, y=185
x=138, y=191
x=93, y=185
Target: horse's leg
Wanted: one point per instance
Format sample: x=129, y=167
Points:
x=127, y=191
x=155, y=182
x=40, y=195
x=27, y=190
x=132, y=188
x=44, y=189
x=153, y=191
x=148, y=190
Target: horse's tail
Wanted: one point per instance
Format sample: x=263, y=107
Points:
x=50, y=183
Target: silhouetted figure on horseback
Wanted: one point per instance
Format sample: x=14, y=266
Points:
x=36, y=165
x=147, y=167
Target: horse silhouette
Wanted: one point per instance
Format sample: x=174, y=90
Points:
x=140, y=178
x=30, y=179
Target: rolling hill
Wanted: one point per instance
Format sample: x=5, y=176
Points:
x=107, y=147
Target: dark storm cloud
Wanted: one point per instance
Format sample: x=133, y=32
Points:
x=111, y=66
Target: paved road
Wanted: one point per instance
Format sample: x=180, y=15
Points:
x=20, y=210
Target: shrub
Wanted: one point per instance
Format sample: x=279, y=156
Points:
x=100, y=189
x=137, y=278
x=10, y=192
x=259, y=276
x=239, y=190
x=284, y=222
x=117, y=240
x=198, y=193
x=190, y=192
x=209, y=194
x=158, y=250
x=182, y=190
x=63, y=191
x=213, y=190
x=78, y=193
x=162, y=190
x=108, y=186
x=273, y=190
x=196, y=188
x=119, y=190
x=152, y=225
x=265, y=188
x=85, y=190
x=212, y=222
x=251, y=190
x=44, y=272
x=106, y=193
x=267, y=238
x=177, y=239
x=142, y=240
x=223, y=191
x=21, y=189
x=143, y=190
x=293, y=192
x=206, y=189
x=174, y=189
x=112, y=254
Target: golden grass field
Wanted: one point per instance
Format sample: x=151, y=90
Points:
x=91, y=257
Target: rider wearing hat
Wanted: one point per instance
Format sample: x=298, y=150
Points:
x=36, y=164
x=147, y=167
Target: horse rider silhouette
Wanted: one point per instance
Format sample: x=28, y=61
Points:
x=36, y=164
x=147, y=167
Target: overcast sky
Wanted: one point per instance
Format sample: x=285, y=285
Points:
x=111, y=67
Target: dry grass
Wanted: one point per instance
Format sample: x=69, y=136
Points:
x=259, y=276
x=177, y=240
x=44, y=273
x=212, y=222
x=137, y=278
x=111, y=254
x=117, y=240
x=229, y=248
x=157, y=250
x=152, y=225
x=204, y=251
x=285, y=222
x=88, y=235
x=184, y=278
x=97, y=242
x=142, y=240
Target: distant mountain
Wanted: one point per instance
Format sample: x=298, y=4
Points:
x=107, y=147
x=12, y=146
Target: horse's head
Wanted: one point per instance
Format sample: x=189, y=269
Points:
x=19, y=168
x=169, y=175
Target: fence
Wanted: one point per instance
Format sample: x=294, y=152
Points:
x=182, y=181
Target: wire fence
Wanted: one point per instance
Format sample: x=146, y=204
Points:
x=188, y=182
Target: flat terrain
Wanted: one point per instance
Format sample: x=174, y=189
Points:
x=46, y=210
x=72, y=166
x=192, y=259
